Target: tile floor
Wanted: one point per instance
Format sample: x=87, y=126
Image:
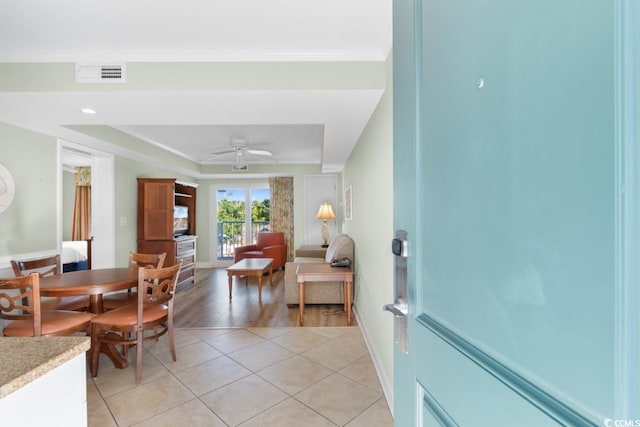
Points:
x=248, y=377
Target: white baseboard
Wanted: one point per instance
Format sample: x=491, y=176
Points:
x=387, y=386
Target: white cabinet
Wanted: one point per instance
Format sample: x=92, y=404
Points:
x=51, y=392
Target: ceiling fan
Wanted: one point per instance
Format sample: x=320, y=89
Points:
x=239, y=149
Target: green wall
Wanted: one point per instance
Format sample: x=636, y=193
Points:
x=29, y=224
x=369, y=172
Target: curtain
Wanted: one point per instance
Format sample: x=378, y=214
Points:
x=281, y=216
x=81, y=227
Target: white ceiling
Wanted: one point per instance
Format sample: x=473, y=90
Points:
x=315, y=126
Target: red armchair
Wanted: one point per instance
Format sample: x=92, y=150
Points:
x=268, y=245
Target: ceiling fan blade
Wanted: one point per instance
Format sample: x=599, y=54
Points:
x=257, y=152
x=223, y=153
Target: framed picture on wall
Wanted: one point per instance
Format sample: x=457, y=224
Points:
x=348, y=214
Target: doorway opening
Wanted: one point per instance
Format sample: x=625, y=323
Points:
x=102, y=199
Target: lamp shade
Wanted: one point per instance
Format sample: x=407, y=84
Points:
x=325, y=212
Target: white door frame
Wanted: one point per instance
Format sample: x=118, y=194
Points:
x=102, y=202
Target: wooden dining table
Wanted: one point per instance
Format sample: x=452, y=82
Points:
x=93, y=283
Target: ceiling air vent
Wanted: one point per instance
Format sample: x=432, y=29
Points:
x=100, y=73
x=239, y=168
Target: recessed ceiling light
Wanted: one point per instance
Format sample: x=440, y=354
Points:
x=88, y=110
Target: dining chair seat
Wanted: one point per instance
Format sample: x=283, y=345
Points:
x=57, y=322
x=128, y=315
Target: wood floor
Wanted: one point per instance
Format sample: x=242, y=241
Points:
x=206, y=304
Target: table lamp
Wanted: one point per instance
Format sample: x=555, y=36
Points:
x=324, y=213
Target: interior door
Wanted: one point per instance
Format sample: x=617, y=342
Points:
x=505, y=184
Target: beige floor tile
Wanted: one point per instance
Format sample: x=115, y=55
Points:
x=269, y=333
x=98, y=415
x=243, y=399
x=353, y=337
x=328, y=370
x=289, y=413
x=333, y=355
x=92, y=391
x=105, y=365
x=206, y=334
x=299, y=340
x=363, y=371
x=146, y=400
x=376, y=415
x=260, y=356
x=332, y=331
x=295, y=374
x=193, y=413
x=189, y=356
x=112, y=380
x=182, y=337
x=235, y=340
x=212, y=375
x=338, y=398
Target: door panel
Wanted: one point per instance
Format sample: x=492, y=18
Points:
x=471, y=396
x=505, y=110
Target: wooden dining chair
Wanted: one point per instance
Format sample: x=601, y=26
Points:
x=20, y=304
x=49, y=266
x=153, y=313
x=136, y=260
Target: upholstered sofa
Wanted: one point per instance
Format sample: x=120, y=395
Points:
x=341, y=246
x=268, y=245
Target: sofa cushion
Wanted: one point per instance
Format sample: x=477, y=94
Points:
x=341, y=247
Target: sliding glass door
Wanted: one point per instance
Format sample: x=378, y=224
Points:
x=240, y=213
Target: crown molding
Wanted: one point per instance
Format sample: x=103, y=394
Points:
x=195, y=56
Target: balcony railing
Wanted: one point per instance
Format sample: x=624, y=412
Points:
x=231, y=234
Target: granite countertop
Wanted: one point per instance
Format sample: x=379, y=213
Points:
x=23, y=360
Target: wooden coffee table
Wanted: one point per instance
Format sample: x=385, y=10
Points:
x=322, y=272
x=251, y=267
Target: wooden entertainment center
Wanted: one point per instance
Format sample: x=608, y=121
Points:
x=157, y=198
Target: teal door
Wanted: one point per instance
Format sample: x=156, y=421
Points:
x=510, y=164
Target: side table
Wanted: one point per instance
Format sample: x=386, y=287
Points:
x=320, y=272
